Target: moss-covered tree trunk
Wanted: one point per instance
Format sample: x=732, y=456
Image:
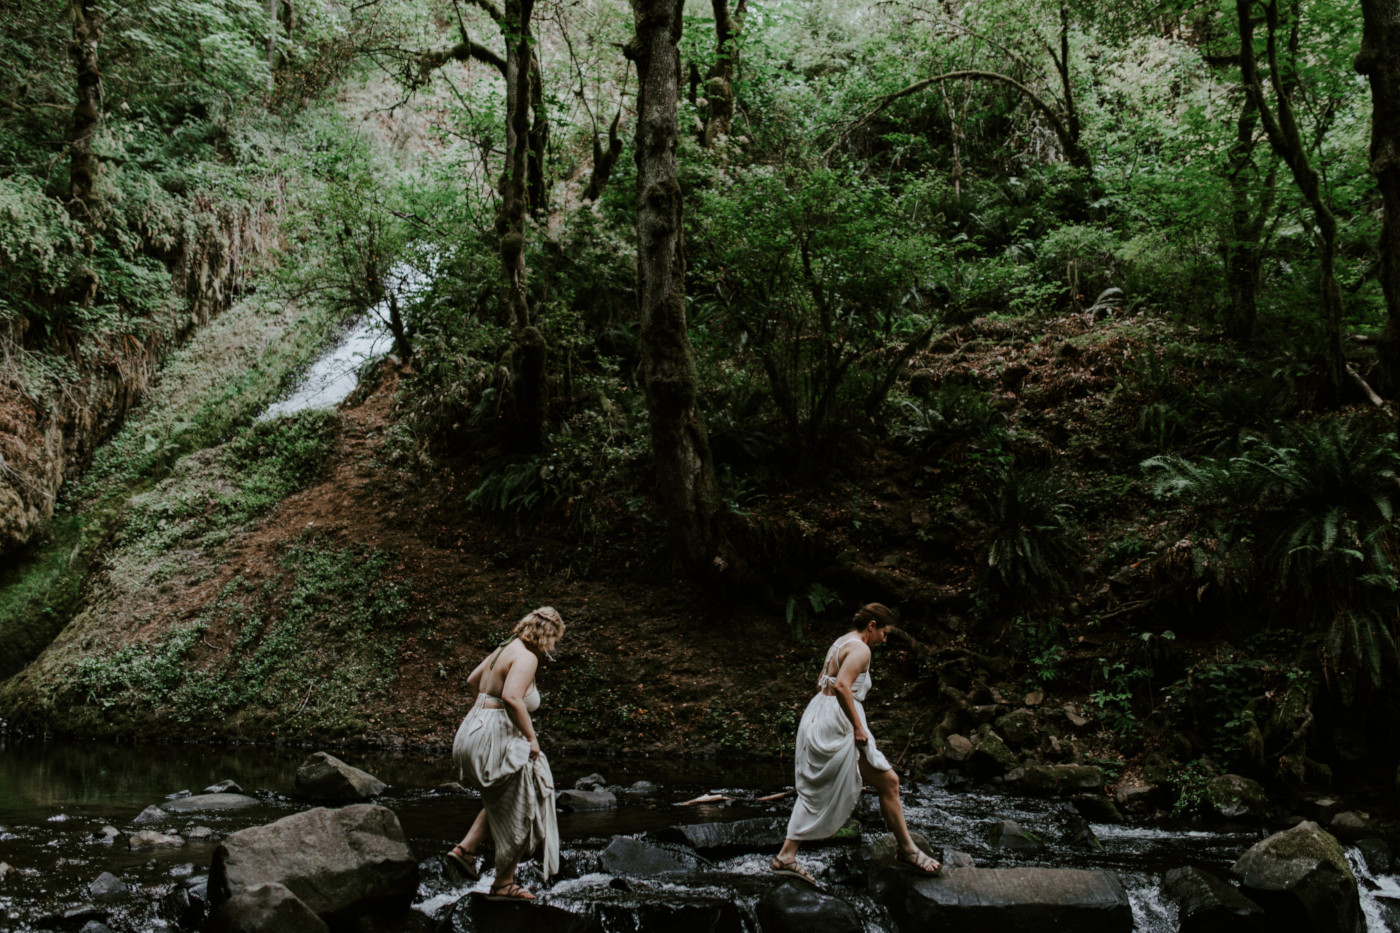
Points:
x=528, y=358
x=719, y=89
x=684, y=472
x=1379, y=60
x=88, y=21
x=1244, y=247
x=1282, y=131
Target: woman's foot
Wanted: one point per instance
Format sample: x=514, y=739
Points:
x=921, y=862
x=466, y=861
x=791, y=869
x=510, y=891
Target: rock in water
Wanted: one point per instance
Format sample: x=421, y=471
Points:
x=266, y=908
x=224, y=787
x=206, y=803
x=1236, y=798
x=107, y=887
x=475, y=913
x=794, y=908
x=340, y=863
x=325, y=777
x=637, y=859
x=1007, y=900
x=1303, y=881
x=1206, y=904
x=586, y=800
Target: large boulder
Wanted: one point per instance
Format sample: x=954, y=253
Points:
x=326, y=778
x=1017, y=728
x=475, y=913
x=634, y=858
x=1303, y=881
x=340, y=863
x=990, y=757
x=1235, y=797
x=1206, y=904
x=582, y=800
x=797, y=908
x=1010, y=836
x=266, y=908
x=1007, y=900
x=1051, y=780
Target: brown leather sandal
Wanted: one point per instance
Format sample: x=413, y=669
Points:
x=921, y=862
x=510, y=891
x=791, y=870
x=469, y=863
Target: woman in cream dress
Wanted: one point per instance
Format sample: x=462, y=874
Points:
x=836, y=754
x=497, y=752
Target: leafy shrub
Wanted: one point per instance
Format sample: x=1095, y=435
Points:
x=1032, y=548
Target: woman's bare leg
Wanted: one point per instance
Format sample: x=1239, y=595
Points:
x=479, y=831
x=788, y=853
x=886, y=785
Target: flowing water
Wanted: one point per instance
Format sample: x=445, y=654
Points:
x=332, y=377
x=56, y=798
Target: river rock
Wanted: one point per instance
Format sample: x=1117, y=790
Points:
x=757, y=835
x=1049, y=780
x=74, y=918
x=106, y=835
x=957, y=748
x=1017, y=728
x=1136, y=798
x=1206, y=904
x=796, y=908
x=637, y=859
x=1077, y=832
x=340, y=863
x=643, y=789
x=1303, y=881
x=202, y=833
x=265, y=908
x=187, y=904
x=475, y=913
x=452, y=789
x=208, y=803
x=593, y=781
x=224, y=787
x=151, y=814
x=990, y=757
x=1378, y=856
x=95, y=926
x=1008, y=836
x=179, y=794
x=107, y=887
x=579, y=800
x=325, y=777
x=1096, y=808
x=5, y=870
x=1235, y=797
x=150, y=839
x=884, y=851
x=1351, y=825
x=1007, y=900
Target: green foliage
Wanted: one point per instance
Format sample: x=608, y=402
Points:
x=1115, y=696
x=817, y=598
x=1032, y=548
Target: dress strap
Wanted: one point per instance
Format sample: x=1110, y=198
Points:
x=825, y=679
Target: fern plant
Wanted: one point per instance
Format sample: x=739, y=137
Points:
x=1033, y=548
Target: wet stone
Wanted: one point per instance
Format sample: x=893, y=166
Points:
x=797, y=908
x=266, y=908
x=210, y=803
x=643, y=788
x=1351, y=825
x=638, y=859
x=74, y=918
x=5, y=870
x=475, y=913
x=593, y=781
x=1008, y=900
x=106, y=835
x=150, y=839
x=451, y=788
x=106, y=887
x=1010, y=836
x=179, y=794
x=201, y=833
x=324, y=777
x=1096, y=808
x=224, y=787
x=1207, y=904
x=151, y=814
x=579, y=800
x=1378, y=856
x=95, y=926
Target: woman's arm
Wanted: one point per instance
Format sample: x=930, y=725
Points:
x=518, y=680
x=857, y=659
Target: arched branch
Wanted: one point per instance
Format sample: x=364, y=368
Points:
x=1073, y=151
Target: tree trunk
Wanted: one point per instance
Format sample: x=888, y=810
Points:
x=603, y=161
x=527, y=382
x=537, y=185
x=1243, y=246
x=1379, y=60
x=685, y=474
x=1282, y=130
x=719, y=89
x=88, y=21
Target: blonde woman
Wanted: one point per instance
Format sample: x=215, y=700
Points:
x=836, y=755
x=497, y=752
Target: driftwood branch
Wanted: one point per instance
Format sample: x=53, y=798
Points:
x=1366, y=390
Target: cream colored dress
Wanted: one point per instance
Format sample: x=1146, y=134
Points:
x=828, y=775
x=517, y=792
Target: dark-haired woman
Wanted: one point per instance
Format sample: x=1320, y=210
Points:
x=836, y=754
x=497, y=752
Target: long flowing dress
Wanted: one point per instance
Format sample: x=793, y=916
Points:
x=517, y=791
x=827, y=769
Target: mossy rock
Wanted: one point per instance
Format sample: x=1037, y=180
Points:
x=1235, y=797
x=1303, y=881
x=1053, y=780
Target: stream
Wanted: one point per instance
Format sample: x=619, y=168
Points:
x=57, y=797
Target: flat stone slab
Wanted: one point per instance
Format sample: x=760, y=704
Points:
x=1010, y=900
x=202, y=803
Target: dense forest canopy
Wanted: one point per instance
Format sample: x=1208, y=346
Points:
x=686, y=261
